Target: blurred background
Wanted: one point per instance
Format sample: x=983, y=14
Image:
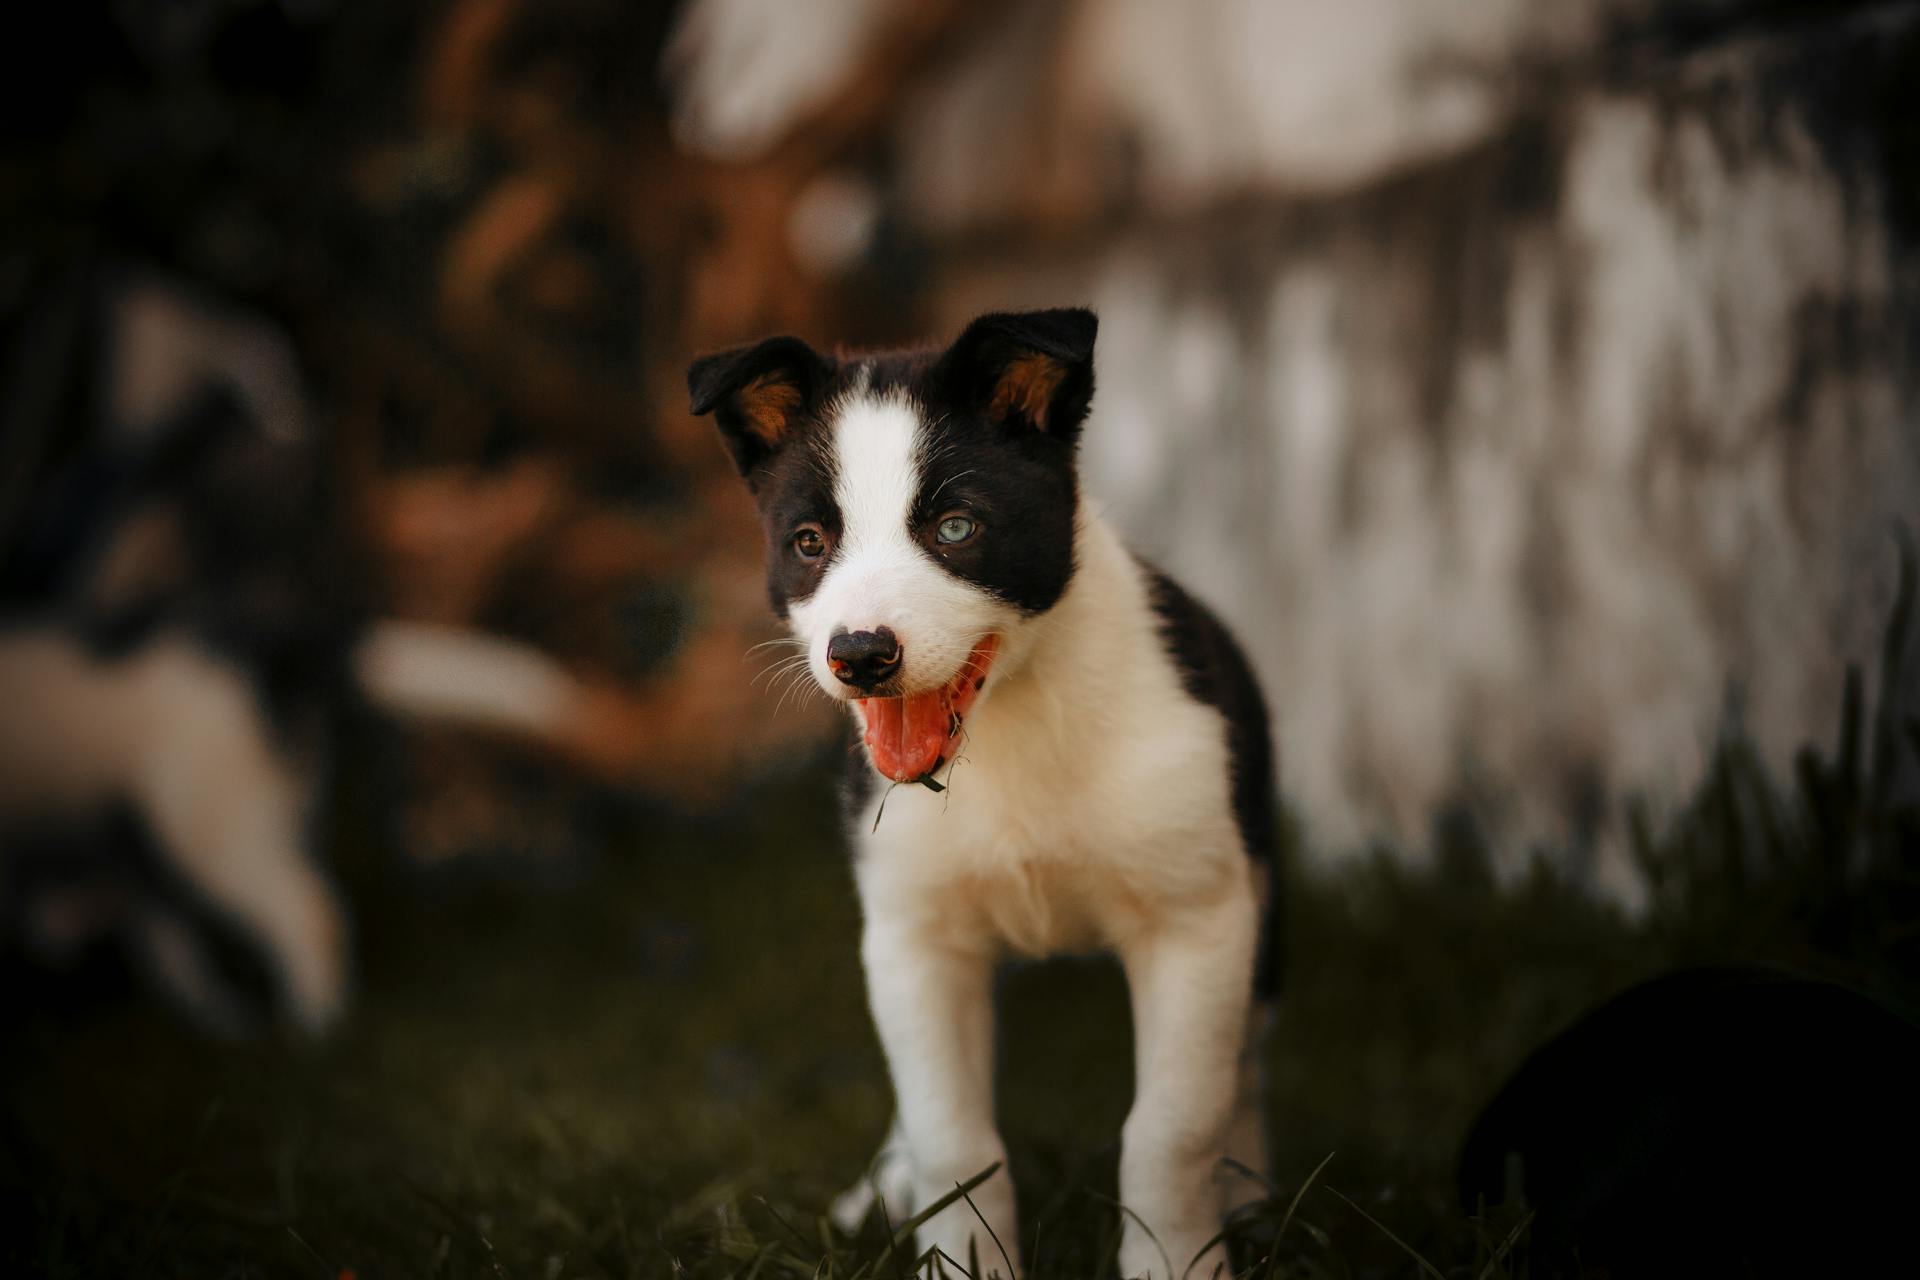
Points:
x=1531, y=388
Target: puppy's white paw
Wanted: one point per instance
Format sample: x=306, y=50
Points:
x=889, y=1177
x=1177, y=1256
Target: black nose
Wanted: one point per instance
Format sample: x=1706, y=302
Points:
x=863, y=658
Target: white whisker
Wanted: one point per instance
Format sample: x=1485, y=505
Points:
x=958, y=475
x=775, y=670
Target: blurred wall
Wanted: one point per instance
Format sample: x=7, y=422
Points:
x=1521, y=381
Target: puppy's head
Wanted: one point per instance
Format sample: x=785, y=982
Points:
x=918, y=508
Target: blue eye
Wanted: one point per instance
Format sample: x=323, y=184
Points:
x=955, y=529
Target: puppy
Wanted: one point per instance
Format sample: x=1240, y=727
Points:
x=929, y=547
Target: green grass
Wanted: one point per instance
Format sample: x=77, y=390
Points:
x=666, y=1068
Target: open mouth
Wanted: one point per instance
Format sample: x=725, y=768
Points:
x=910, y=737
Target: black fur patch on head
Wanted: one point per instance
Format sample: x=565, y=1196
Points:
x=759, y=395
x=1031, y=369
x=795, y=490
x=1002, y=406
x=767, y=399
x=1215, y=673
x=1021, y=497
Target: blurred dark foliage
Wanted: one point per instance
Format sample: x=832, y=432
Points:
x=467, y=222
x=1831, y=856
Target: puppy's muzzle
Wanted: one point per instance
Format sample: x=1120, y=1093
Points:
x=863, y=660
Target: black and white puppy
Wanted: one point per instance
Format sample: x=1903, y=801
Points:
x=929, y=547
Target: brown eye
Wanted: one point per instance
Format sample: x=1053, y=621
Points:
x=810, y=542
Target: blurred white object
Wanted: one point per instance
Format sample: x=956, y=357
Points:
x=168, y=345
x=833, y=222
x=1218, y=95
x=459, y=676
x=743, y=70
x=1304, y=96
x=178, y=738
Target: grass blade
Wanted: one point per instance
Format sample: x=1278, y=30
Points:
x=1164, y=1259
x=1506, y=1246
x=776, y=1215
x=991, y=1235
x=960, y=1189
x=1299, y=1195
x=1381, y=1227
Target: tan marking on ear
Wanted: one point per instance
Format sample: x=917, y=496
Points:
x=769, y=403
x=1027, y=388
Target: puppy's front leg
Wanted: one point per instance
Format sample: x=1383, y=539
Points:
x=933, y=1004
x=1191, y=984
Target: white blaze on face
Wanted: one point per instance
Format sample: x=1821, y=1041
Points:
x=880, y=575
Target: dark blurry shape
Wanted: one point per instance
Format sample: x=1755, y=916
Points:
x=187, y=607
x=175, y=636
x=1713, y=1121
x=467, y=224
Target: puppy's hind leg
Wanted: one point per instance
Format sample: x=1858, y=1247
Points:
x=1191, y=989
x=888, y=1180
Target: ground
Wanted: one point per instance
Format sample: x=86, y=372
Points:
x=661, y=1064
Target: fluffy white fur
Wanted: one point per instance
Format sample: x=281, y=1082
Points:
x=179, y=737
x=1089, y=809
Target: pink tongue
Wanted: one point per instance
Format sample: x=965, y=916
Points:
x=907, y=735
x=911, y=737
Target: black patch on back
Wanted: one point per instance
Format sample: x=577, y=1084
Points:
x=1216, y=674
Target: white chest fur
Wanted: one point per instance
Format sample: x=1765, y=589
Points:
x=1090, y=799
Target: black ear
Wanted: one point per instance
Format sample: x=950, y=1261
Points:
x=1029, y=368
x=757, y=394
